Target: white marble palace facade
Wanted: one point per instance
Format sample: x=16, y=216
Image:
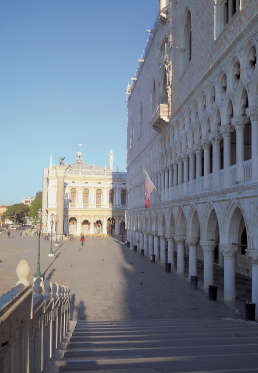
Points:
x=84, y=197
x=193, y=125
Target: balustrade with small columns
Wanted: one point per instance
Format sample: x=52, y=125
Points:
x=34, y=319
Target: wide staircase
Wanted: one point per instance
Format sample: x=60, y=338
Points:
x=148, y=346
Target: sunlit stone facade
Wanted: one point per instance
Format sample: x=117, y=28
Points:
x=85, y=197
x=193, y=125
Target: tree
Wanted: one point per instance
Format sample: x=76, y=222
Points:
x=36, y=204
x=20, y=209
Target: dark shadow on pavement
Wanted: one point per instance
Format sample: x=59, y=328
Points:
x=43, y=274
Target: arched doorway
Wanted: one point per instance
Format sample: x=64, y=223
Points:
x=111, y=226
x=98, y=227
x=73, y=225
x=85, y=227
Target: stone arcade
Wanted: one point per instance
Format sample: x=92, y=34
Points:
x=86, y=198
x=193, y=125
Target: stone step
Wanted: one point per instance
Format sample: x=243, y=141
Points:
x=180, y=363
x=226, y=345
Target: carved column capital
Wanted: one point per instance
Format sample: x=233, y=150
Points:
x=207, y=245
x=192, y=241
x=214, y=137
x=253, y=255
x=179, y=238
x=228, y=250
x=206, y=144
x=197, y=149
x=226, y=130
x=252, y=113
x=239, y=122
x=170, y=237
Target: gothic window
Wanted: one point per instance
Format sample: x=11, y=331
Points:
x=224, y=11
x=153, y=99
x=123, y=197
x=213, y=97
x=236, y=75
x=73, y=196
x=86, y=196
x=140, y=119
x=98, y=197
x=251, y=62
x=111, y=196
x=187, y=41
x=243, y=242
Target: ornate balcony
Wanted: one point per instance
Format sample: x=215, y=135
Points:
x=160, y=118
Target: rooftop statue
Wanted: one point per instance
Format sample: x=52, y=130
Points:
x=61, y=161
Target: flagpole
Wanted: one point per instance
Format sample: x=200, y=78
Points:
x=155, y=189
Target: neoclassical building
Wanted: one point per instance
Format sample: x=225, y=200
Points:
x=193, y=125
x=84, y=197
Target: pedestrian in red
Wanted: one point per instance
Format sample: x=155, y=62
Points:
x=82, y=239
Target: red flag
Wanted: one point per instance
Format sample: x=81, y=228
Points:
x=149, y=187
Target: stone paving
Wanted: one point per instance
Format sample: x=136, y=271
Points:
x=110, y=282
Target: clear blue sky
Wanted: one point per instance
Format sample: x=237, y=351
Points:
x=64, y=68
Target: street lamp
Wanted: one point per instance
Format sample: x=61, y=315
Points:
x=56, y=229
x=51, y=223
x=39, y=227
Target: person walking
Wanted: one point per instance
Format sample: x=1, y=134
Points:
x=82, y=239
x=8, y=234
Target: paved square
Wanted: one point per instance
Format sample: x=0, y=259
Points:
x=108, y=281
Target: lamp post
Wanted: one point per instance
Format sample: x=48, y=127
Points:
x=51, y=223
x=39, y=227
x=56, y=229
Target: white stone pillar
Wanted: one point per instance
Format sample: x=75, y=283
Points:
x=253, y=254
x=137, y=235
x=192, y=244
x=166, y=184
x=229, y=252
x=104, y=225
x=151, y=248
x=141, y=241
x=191, y=170
x=180, y=177
x=145, y=243
x=239, y=124
x=175, y=178
x=185, y=174
x=159, y=182
x=170, y=182
x=226, y=132
x=206, y=147
x=252, y=112
x=60, y=199
x=208, y=251
x=180, y=254
x=162, y=249
x=216, y=159
x=156, y=246
x=117, y=226
x=171, y=249
x=198, y=152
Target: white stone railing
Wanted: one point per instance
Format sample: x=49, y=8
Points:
x=233, y=174
x=32, y=324
x=247, y=165
x=210, y=178
x=221, y=179
x=201, y=184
